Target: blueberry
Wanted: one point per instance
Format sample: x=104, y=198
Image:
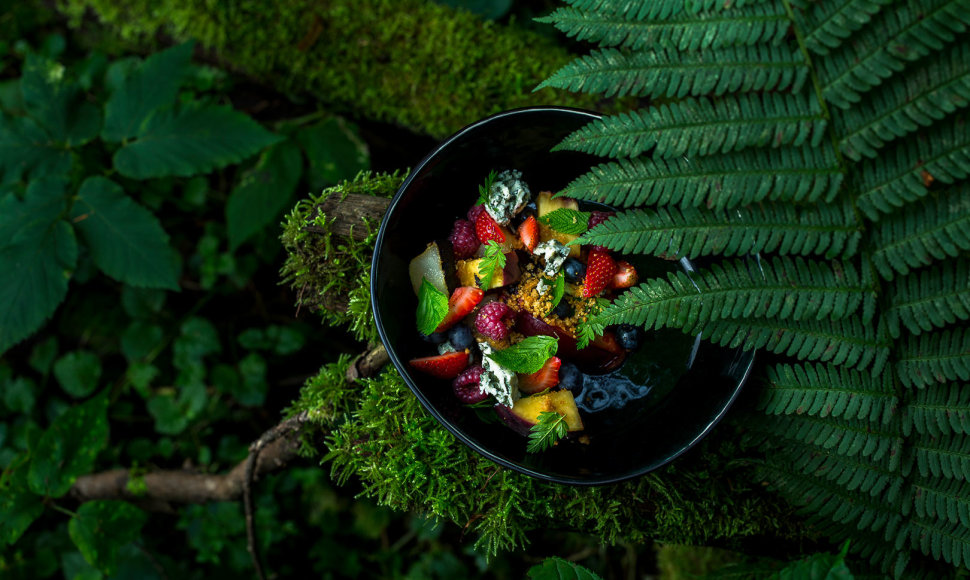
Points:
x=570, y=378
x=517, y=219
x=461, y=336
x=435, y=337
x=628, y=336
x=563, y=310
x=575, y=270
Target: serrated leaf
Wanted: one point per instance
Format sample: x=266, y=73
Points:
x=53, y=98
x=556, y=568
x=493, y=261
x=432, y=307
x=126, y=241
x=69, y=447
x=26, y=150
x=190, y=140
x=567, y=221
x=19, y=507
x=102, y=527
x=142, y=89
x=549, y=428
x=527, y=355
x=78, y=372
x=263, y=193
x=334, y=151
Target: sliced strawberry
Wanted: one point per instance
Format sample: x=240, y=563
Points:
x=487, y=229
x=545, y=378
x=529, y=233
x=626, y=275
x=600, y=269
x=463, y=300
x=443, y=366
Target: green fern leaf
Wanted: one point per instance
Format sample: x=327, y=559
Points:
x=934, y=357
x=784, y=228
x=828, y=390
x=904, y=173
x=939, y=412
x=947, y=457
x=949, y=542
x=719, y=182
x=921, y=97
x=935, y=228
x=655, y=9
x=828, y=24
x=760, y=23
x=703, y=127
x=850, y=438
x=191, y=140
x=945, y=500
x=672, y=73
x=905, y=33
x=849, y=472
x=930, y=299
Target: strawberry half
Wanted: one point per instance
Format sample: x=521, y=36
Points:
x=529, y=233
x=487, y=229
x=626, y=275
x=600, y=269
x=443, y=366
x=544, y=378
x=463, y=300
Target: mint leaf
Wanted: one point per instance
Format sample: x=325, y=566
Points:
x=145, y=88
x=125, y=239
x=102, y=527
x=484, y=189
x=190, y=140
x=334, y=150
x=263, y=193
x=549, y=428
x=558, y=290
x=432, y=307
x=492, y=262
x=69, y=447
x=556, y=568
x=567, y=221
x=527, y=356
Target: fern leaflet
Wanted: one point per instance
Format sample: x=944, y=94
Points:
x=932, y=358
x=850, y=438
x=849, y=472
x=828, y=24
x=948, y=457
x=930, y=298
x=655, y=9
x=951, y=542
x=939, y=412
x=828, y=390
x=946, y=500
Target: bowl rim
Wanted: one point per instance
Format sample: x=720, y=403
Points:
x=402, y=369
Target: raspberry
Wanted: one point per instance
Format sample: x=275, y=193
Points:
x=595, y=219
x=463, y=239
x=474, y=211
x=490, y=321
x=466, y=386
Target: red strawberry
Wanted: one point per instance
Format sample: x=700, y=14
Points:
x=443, y=366
x=600, y=269
x=487, y=229
x=463, y=300
x=529, y=233
x=626, y=275
x=545, y=378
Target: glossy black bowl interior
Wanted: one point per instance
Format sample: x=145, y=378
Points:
x=691, y=383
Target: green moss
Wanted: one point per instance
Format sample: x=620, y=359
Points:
x=411, y=62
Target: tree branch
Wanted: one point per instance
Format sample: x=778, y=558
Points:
x=349, y=214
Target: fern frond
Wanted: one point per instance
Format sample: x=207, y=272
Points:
x=846, y=342
x=720, y=181
x=946, y=500
x=828, y=24
x=938, y=412
x=922, y=96
x=673, y=73
x=656, y=8
x=935, y=228
x=781, y=288
x=904, y=173
x=930, y=298
x=849, y=472
x=828, y=390
x=948, y=541
x=933, y=358
x=947, y=457
x=905, y=33
x=850, y=438
x=783, y=228
x=703, y=127
x=755, y=24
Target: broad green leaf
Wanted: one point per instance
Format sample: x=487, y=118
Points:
x=43, y=354
x=75, y=567
x=102, y=527
x=334, y=150
x=125, y=239
x=190, y=140
x=142, y=90
x=142, y=302
x=140, y=339
x=19, y=395
x=251, y=390
x=263, y=193
x=174, y=411
x=555, y=568
x=55, y=101
x=69, y=447
x=38, y=251
x=19, y=507
x=78, y=372
x=26, y=150
x=141, y=375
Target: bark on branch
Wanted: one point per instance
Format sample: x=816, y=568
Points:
x=348, y=214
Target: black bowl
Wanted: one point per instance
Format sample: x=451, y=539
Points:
x=668, y=395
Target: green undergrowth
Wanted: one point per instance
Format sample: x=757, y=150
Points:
x=409, y=62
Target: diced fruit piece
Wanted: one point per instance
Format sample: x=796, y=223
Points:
x=443, y=366
x=602, y=355
x=543, y=379
x=600, y=269
x=545, y=203
x=625, y=276
x=525, y=412
x=463, y=300
x=467, y=386
x=491, y=320
x=463, y=239
x=529, y=233
x=436, y=263
x=487, y=229
x=468, y=272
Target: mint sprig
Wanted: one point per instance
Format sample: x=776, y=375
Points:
x=493, y=261
x=484, y=189
x=527, y=356
x=432, y=307
x=567, y=221
x=549, y=428
x=558, y=291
